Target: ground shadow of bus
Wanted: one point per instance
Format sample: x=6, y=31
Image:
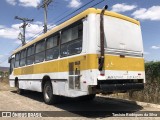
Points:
x=99, y=107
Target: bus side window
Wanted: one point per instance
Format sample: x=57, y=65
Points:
x=30, y=55
x=17, y=60
x=71, y=42
x=40, y=52
x=52, y=49
x=23, y=58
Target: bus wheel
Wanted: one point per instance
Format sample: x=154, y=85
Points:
x=49, y=98
x=18, y=90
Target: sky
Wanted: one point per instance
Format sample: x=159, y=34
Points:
x=146, y=11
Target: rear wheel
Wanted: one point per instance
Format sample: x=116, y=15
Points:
x=18, y=90
x=49, y=98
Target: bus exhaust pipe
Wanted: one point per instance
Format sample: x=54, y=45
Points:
x=101, y=58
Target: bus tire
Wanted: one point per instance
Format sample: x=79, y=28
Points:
x=48, y=96
x=18, y=90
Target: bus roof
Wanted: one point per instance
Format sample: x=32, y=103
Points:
x=74, y=19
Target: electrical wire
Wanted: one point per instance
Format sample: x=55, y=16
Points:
x=69, y=15
x=37, y=34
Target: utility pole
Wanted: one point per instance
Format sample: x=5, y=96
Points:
x=24, y=27
x=45, y=6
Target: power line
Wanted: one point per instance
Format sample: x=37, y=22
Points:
x=98, y=3
x=77, y=10
x=61, y=20
x=65, y=16
x=69, y=15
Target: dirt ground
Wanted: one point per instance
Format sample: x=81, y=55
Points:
x=99, y=108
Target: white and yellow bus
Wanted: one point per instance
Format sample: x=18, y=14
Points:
x=93, y=52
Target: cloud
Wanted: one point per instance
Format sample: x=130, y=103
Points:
x=24, y=3
x=146, y=53
x=38, y=22
x=1, y=56
x=74, y=3
x=11, y=2
x=19, y=42
x=2, y=26
x=155, y=47
x=29, y=3
x=51, y=26
x=123, y=7
x=9, y=33
x=13, y=31
x=152, y=13
x=32, y=30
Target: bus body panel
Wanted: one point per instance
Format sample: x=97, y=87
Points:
x=76, y=75
x=122, y=35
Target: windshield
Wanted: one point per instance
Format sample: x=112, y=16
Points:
x=122, y=35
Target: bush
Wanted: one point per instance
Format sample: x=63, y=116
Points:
x=151, y=92
x=152, y=71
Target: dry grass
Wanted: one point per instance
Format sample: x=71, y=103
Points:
x=4, y=80
x=151, y=93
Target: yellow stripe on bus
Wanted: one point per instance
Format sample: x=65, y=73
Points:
x=126, y=63
x=87, y=62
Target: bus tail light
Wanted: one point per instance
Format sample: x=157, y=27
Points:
x=84, y=81
x=101, y=74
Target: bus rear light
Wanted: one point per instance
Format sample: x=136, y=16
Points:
x=84, y=81
x=101, y=74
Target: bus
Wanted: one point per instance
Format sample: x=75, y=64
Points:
x=93, y=52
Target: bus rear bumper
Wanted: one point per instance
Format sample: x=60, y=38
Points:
x=112, y=86
x=121, y=87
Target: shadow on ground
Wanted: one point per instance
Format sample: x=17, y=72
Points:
x=99, y=107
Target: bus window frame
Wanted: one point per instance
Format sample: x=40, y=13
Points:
x=57, y=46
x=44, y=40
x=25, y=56
x=78, y=23
x=17, y=60
x=10, y=68
x=33, y=45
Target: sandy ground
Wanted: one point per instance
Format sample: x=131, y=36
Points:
x=99, y=108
